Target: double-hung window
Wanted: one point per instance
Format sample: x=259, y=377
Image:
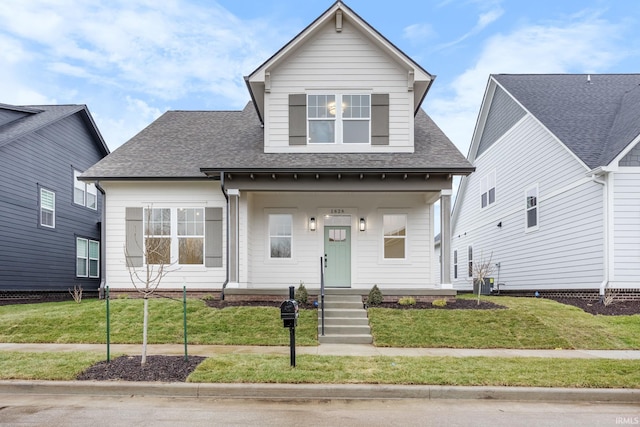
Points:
x=455, y=264
x=84, y=194
x=174, y=235
x=470, y=260
x=47, y=208
x=280, y=235
x=339, y=118
x=488, y=189
x=87, y=258
x=531, y=209
x=394, y=236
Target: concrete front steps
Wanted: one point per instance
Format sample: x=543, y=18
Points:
x=345, y=320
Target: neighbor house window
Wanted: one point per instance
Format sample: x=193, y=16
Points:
x=531, y=210
x=280, y=235
x=339, y=118
x=83, y=193
x=455, y=264
x=488, y=189
x=87, y=258
x=395, y=236
x=470, y=260
x=47, y=208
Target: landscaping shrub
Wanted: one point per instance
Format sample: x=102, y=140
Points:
x=407, y=301
x=439, y=303
x=301, y=295
x=375, y=296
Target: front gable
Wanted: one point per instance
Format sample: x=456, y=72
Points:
x=339, y=58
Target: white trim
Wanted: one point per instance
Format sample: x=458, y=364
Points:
x=405, y=215
x=53, y=210
x=268, y=212
x=527, y=228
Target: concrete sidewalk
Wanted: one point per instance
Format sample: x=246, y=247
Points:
x=318, y=391
x=324, y=350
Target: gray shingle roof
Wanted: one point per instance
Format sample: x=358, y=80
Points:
x=596, y=116
x=179, y=143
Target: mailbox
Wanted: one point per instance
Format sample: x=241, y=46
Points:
x=289, y=313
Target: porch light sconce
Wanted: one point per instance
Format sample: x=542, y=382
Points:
x=312, y=224
x=363, y=224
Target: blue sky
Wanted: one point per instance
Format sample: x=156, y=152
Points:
x=131, y=60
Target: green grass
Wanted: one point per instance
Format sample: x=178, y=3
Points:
x=312, y=369
x=62, y=366
x=528, y=323
x=468, y=371
x=68, y=322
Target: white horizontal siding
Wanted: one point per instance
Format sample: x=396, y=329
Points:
x=339, y=61
x=121, y=195
x=367, y=266
x=626, y=229
x=567, y=251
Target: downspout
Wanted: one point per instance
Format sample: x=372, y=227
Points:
x=605, y=280
x=226, y=196
x=103, y=235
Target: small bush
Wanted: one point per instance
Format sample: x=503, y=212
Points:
x=407, y=301
x=439, y=303
x=123, y=296
x=209, y=297
x=375, y=296
x=301, y=295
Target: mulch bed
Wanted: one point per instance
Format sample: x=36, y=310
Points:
x=156, y=368
x=616, y=308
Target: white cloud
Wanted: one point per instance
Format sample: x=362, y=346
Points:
x=587, y=45
x=484, y=20
x=418, y=33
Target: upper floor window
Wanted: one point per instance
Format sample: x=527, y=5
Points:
x=395, y=236
x=47, y=208
x=455, y=264
x=531, y=209
x=280, y=235
x=470, y=261
x=339, y=118
x=488, y=189
x=84, y=194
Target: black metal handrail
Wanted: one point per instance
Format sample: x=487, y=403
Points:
x=322, y=293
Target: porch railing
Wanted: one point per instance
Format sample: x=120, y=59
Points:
x=322, y=294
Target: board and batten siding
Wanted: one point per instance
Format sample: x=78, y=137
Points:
x=567, y=250
x=339, y=62
x=626, y=228
x=367, y=264
x=159, y=194
x=35, y=258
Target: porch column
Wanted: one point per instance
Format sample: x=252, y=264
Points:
x=234, y=236
x=445, y=239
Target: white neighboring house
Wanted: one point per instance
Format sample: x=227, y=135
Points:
x=333, y=164
x=555, y=199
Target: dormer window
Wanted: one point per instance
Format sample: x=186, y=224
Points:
x=339, y=119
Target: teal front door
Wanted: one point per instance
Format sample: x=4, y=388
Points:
x=337, y=256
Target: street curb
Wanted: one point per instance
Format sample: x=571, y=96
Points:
x=317, y=391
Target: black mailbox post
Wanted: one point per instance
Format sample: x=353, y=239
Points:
x=289, y=316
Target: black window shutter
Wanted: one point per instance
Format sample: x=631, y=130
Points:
x=380, y=119
x=298, y=119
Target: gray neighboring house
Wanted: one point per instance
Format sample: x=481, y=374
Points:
x=333, y=165
x=49, y=220
x=555, y=199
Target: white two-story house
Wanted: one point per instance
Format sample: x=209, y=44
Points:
x=333, y=166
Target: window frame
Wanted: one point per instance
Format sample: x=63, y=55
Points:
x=87, y=258
x=271, y=216
x=88, y=189
x=529, y=228
x=338, y=117
x=41, y=208
x=488, y=183
x=470, y=261
x=404, y=237
x=173, y=234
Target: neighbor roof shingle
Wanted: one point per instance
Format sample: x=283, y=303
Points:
x=596, y=116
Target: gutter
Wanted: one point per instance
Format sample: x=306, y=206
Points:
x=226, y=196
x=103, y=235
x=594, y=177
